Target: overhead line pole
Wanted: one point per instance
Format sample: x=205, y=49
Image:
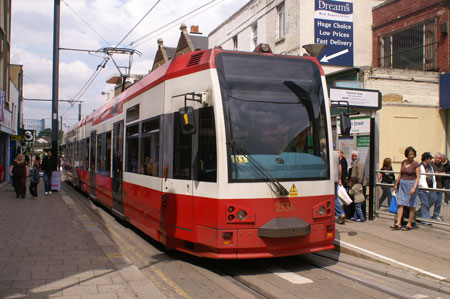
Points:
x=55, y=80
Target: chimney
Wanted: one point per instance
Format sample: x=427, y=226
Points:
x=194, y=30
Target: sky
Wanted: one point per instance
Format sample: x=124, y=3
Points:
x=92, y=25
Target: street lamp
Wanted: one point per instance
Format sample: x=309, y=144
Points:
x=314, y=49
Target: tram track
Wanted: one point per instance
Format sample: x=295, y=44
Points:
x=217, y=273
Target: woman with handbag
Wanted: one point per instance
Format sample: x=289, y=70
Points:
x=406, y=188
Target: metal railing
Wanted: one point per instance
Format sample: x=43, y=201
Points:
x=445, y=207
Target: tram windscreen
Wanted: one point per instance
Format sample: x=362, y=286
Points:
x=275, y=118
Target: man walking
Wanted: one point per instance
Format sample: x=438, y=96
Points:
x=438, y=167
x=48, y=165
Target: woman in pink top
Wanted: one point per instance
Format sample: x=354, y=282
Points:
x=406, y=188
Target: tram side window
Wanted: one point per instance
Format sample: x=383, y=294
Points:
x=182, y=151
x=132, y=148
x=108, y=153
x=100, y=141
x=207, y=168
x=150, y=147
x=92, y=165
x=86, y=154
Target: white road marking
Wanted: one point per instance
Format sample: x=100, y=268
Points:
x=291, y=277
x=392, y=260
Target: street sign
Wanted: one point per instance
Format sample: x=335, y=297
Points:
x=17, y=138
x=29, y=135
x=333, y=26
x=357, y=98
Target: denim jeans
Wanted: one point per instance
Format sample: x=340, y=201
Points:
x=387, y=193
x=337, y=203
x=358, y=212
x=47, y=181
x=437, y=205
x=427, y=200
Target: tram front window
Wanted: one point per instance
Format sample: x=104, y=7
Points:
x=275, y=117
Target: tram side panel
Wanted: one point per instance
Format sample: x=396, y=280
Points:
x=142, y=184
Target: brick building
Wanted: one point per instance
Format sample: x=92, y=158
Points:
x=411, y=34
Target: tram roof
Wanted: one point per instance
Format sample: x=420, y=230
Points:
x=181, y=65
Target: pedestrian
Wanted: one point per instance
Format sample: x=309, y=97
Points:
x=438, y=167
x=406, y=188
x=357, y=168
x=446, y=180
x=427, y=198
x=19, y=173
x=356, y=191
x=344, y=168
x=386, y=178
x=34, y=176
x=337, y=204
x=48, y=166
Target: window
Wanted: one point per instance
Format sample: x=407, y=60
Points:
x=104, y=154
x=100, y=141
x=207, y=162
x=413, y=48
x=132, y=148
x=182, y=152
x=133, y=113
x=150, y=147
x=86, y=154
x=255, y=35
x=92, y=165
x=281, y=21
x=108, y=154
x=235, y=43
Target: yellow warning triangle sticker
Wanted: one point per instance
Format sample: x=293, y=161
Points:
x=293, y=191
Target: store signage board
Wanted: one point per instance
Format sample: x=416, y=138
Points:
x=333, y=26
x=357, y=98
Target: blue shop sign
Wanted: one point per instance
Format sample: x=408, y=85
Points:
x=444, y=91
x=333, y=26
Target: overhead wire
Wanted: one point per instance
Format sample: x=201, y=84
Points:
x=132, y=29
x=145, y=38
x=106, y=59
x=84, y=21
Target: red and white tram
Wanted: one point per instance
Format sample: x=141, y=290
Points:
x=220, y=154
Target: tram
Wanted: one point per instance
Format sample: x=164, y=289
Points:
x=220, y=154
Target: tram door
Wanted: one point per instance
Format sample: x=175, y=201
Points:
x=117, y=166
x=92, y=164
x=177, y=210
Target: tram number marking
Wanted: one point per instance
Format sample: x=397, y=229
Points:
x=239, y=159
x=284, y=207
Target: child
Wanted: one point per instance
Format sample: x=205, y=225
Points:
x=34, y=176
x=356, y=192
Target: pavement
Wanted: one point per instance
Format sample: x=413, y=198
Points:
x=49, y=247
x=423, y=252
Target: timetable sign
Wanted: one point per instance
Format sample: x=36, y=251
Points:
x=333, y=26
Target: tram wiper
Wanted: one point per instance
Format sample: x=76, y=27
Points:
x=275, y=184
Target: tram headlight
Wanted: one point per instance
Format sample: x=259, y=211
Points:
x=322, y=211
x=241, y=215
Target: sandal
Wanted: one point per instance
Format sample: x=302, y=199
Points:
x=406, y=228
x=395, y=227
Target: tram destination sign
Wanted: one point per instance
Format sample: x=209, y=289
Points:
x=333, y=26
x=357, y=98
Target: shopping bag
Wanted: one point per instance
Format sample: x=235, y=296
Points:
x=343, y=196
x=393, y=206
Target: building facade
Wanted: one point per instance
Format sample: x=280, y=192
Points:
x=7, y=109
x=288, y=25
x=410, y=53
x=399, y=47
